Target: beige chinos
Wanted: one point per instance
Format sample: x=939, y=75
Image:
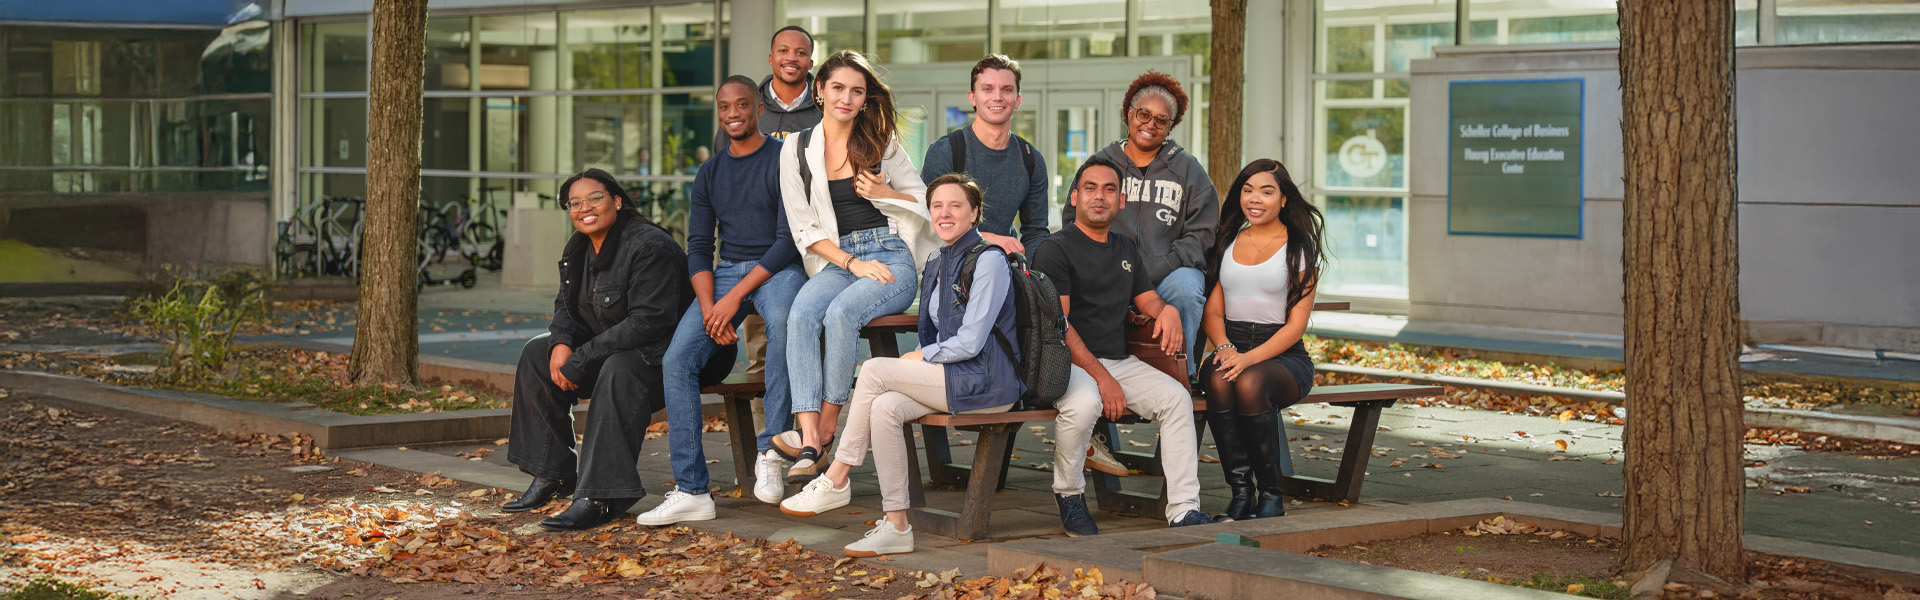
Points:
x=890, y=392
x=1150, y=394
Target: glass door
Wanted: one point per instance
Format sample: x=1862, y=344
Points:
x=1074, y=133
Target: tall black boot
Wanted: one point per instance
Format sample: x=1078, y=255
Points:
x=1232, y=445
x=1262, y=432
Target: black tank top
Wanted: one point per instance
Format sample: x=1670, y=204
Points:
x=851, y=211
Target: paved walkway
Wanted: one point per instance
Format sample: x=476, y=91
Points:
x=1851, y=501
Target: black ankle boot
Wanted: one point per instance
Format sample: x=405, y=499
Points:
x=1232, y=445
x=588, y=513
x=1262, y=432
x=538, y=494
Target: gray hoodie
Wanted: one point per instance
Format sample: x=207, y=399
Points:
x=777, y=121
x=1172, y=208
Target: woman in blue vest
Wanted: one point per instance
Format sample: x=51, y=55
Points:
x=962, y=369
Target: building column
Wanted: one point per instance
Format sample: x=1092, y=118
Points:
x=751, y=29
x=1264, y=122
x=543, y=120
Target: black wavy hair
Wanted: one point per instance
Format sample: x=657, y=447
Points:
x=1306, y=231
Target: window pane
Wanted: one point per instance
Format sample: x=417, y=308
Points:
x=686, y=39
x=923, y=31
x=517, y=52
x=1847, y=21
x=335, y=58
x=643, y=135
x=1365, y=147
x=446, y=134
x=1179, y=27
x=336, y=132
x=1349, y=50
x=449, y=50
x=1746, y=25
x=1414, y=41
x=609, y=48
x=835, y=24
x=1366, y=246
x=1038, y=29
x=334, y=185
x=503, y=134
x=1561, y=30
x=1544, y=21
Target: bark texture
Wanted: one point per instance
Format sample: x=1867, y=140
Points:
x=1684, y=474
x=1225, y=95
x=386, y=344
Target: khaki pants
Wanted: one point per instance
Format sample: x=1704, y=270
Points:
x=890, y=392
x=1150, y=394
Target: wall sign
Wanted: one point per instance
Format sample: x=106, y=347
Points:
x=1514, y=157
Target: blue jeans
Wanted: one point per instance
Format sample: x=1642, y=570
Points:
x=1182, y=289
x=836, y=304
x=692, y=347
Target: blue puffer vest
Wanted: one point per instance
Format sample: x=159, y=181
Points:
x=988, y=379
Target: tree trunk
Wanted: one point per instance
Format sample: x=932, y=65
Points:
x=386, y=340
x=1684, y=474
x=1225, y=95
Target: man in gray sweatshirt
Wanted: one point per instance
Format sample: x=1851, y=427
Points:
x=1172, y=209
x=787, y=94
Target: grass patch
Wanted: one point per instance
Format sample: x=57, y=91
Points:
x=48, y=588
x=1573, y=584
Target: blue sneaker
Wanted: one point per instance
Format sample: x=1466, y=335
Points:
x=1192, y=517
x=1074, y=516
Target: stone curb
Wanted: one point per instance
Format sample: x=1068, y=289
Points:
x=1150, y=556
x=329, y=430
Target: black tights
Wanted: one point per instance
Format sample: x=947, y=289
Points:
x=1260, y=388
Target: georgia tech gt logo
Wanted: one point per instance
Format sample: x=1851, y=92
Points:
x=1128, y=265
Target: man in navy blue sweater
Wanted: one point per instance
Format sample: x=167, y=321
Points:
x=737, y=195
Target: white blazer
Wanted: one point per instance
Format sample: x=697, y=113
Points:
x=815, y=221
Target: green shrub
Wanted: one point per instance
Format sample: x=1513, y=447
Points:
x=200, y=318
x=48, y=588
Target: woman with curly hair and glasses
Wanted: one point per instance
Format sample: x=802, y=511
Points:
x=1172, y=208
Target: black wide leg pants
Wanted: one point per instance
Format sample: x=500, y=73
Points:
x=624, y=392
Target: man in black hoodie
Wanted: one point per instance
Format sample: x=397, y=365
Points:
x=787, y=94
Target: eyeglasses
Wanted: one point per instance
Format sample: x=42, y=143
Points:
x=1144, y=117
x=592, y=201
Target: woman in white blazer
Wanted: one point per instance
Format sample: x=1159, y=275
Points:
x=857, y=209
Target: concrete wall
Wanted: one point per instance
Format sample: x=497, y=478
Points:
x=1828, y=200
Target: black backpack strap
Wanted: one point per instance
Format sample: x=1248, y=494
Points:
x=806, y=173
x=965, y=284
x=1027, y=155
x=957, y=148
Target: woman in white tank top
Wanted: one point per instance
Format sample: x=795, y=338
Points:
x=1262, y=275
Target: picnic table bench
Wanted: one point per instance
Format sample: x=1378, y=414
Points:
x=986, y=473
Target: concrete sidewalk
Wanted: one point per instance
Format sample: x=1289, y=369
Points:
x=1857, y=502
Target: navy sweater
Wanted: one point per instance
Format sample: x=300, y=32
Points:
x=747, y=190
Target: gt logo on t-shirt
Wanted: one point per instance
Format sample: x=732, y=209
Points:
x=1128, y=265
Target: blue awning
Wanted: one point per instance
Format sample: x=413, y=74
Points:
x=217, y=13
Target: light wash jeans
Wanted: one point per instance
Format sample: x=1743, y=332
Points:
x=1182, y=289
x=692, y=347
x=835, y=304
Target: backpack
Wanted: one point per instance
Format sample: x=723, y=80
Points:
x=957, y=147
x=1039, y=322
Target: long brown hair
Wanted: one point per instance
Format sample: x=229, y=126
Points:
x=1305, y=230
x=874, y=125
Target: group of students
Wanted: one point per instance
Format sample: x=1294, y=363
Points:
x=814, y=218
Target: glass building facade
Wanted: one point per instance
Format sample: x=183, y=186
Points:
x=517, y=99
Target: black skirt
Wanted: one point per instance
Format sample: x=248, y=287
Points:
x=1247, y=336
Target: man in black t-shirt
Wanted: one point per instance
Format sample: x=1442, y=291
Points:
x=1099, y=273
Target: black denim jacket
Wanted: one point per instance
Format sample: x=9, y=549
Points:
x=640, y=284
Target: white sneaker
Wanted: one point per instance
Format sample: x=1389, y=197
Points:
x=678, y=507
x=818, y=497
x=1099, y=458
x=884, y=539
x=769, y=485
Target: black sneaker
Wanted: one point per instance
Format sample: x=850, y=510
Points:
x=1074, y=516
x=1192, y=517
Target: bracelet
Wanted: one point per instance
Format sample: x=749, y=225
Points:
x=848, y=265
x=1226, y=345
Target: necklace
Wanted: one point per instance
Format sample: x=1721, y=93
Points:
x=1262, y=250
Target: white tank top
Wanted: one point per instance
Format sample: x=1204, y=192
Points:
x=1255, y=293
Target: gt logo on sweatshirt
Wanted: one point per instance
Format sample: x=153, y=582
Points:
x=1167, y=194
